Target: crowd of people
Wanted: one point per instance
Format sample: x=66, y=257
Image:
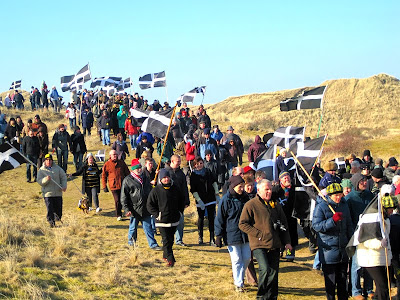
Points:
x=254, y=217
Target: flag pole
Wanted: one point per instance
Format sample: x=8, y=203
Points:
x=166, y=92
x=165, y=140
x=33, y=164
x=319, y=154
x=311, y=180
x=322, y=111
x=386, y=254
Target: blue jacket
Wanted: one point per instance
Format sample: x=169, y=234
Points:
x=216, y=136
x=329, y=179
x=332, y=237
x=227, y=220
x=54, y=94
x=357, y=202
x=149, y=136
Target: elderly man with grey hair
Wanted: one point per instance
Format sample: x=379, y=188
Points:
x=265, y=223
x=114, y=171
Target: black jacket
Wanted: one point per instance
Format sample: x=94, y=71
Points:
x=179, y=180
x=78, y=139
x=30, y=146
x=166, y=205
x=86, y=171
x=134, y=196
x=203, y=185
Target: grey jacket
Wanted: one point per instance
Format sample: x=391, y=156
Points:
x=49, y=188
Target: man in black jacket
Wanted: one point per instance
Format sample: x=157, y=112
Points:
x=30, y=148
x=134, y=193
x=179, y=179
x=78, y=147
x=61, y=143
x=166, y=204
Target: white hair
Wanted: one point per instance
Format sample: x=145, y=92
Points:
x=387, y=189
x=395, y=179
x=263, y=182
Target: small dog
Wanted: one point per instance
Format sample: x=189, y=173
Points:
x=83, y=204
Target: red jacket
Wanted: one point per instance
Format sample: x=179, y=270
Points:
x=190, y=151
x=114, y=173
x=129, y=128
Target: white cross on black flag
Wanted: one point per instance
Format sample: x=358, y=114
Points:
x=287, y=137
x=15, y=85
x=152, y=80
x=105, y=81
x=308, y=100
x=10, y=158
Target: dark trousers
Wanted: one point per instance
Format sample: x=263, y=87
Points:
x=40, y=161
x=268, y=269
x=122, y=131
x=292, y=224
x=62, y=159
x=33, y=159
x=89, y=130
x=54, y=209
x=167, y=234
x=92, y=196
x=210, y=215
x=335, y=278
x=378, y=274
x=118, y=207
x=251, y=272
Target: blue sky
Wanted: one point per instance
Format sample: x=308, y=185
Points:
x=232, y=47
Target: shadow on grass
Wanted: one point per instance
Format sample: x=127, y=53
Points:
x=197, y=248
x=316, y=292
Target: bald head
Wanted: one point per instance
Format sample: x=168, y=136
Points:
x=113, y=155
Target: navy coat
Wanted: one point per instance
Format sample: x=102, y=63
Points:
x=332, y=237
x=227, y=220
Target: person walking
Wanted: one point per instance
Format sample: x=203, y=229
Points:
x=31, y=149
x=53, y=181
x=61, y=143
x=114, y=171
x=78, y=147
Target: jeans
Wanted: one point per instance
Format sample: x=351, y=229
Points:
x=33, y=159
x=335, y=278
x=240, y=259
x=93, y=196
x=317, y=262
x=132, y=140
x=356, y=271
x=62, y=159
x=268, y=269
x=78, y=158
x=148, y=230
x=105, y=133
x=179, y=230
x=72, y=123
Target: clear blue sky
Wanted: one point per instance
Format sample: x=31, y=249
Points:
x=232, y=47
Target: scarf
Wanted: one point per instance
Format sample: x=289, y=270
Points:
x=166, y=186
x=137, y=177
x=201, y=172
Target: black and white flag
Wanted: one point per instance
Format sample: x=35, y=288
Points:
x=106, y=81
x=152, y=80
x=369, y=226
x=189, y=96
x=157, y=123
x=75, y=82
x=287, y=137
x=308, y=100
x=340, y=162
x=266, y=162
x=15, y=85
x=309, y=151
x=125, y=84
x=10, y=158
x=139, y=114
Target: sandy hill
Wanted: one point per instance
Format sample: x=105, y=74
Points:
x=348, y=104
x=24, y=93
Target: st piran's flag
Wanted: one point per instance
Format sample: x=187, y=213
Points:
x=75, y=82
x=266, y=162
x=369, y=226
x=105, y=81
x=152, y=80
x=307, y=152
x=308, y=100
x=154, y=122
x=287, y=137
x=15, y=85
x=10, y=158
x=125, y=84
x=340, y=162
x=189, y=96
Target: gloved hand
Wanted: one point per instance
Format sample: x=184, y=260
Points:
x=218, y=241
x=384, y=243
x=105, y=190
x=216, y=189
x=338, y=217
x=200, y=202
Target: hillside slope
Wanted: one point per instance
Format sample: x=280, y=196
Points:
x=348, y=103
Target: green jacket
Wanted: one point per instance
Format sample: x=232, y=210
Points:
x=121, y=116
